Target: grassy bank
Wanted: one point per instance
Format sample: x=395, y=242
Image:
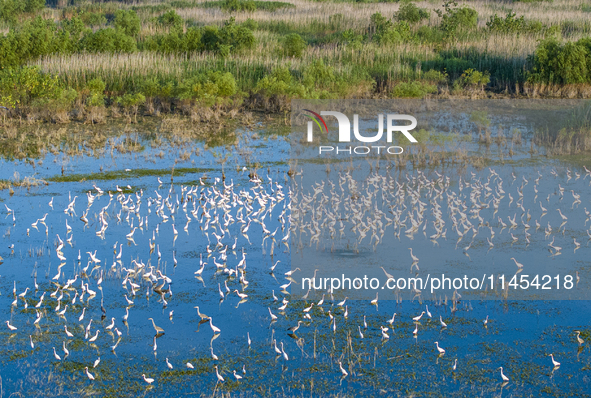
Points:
x=86, y=60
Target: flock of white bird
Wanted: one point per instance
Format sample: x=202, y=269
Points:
x=214, y=208
x=367, y=211
x=411, y=207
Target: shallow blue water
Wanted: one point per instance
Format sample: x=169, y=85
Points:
x=519, y=335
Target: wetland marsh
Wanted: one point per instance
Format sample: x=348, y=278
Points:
x=154, y=243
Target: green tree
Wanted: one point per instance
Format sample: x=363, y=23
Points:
x=553, y=62
x=34, y=5
x=237, y=36
x=128, y=22
x=410, y=13
x=293, y=45
x=172, y=21
x=131, y=103
x=193, y=39
x=454, y=18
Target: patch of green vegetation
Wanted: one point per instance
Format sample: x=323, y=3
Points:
x=368, y=58
x=414, y=89
x=412, y=14
x=93, y=18
x=270, y=6
x=511, y=24
x=122, y=174
x=230, y=38
x=166, y=6
x=554, y=62
x=11, y=9
x=472, y=79
x=293, y=45
x=387, y=32
x=238, y=5
x=455, y=19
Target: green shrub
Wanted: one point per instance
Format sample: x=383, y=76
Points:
x=224, y=50
x=93, y=18
x=150, y=87
x=62, y=101
x=350, y=38
x=466, y=17
x=318, y=75
x=21, y=86
x=96, y=88
x=511, y=24
x=251, y=24
x=108, y=40
x=210, y=38
x=272, y=6
x=553, y=62
x=10, y=9
x=413, y=89
x=293, y=45
x=128, y=22
x=210, y=86
x=174, y=42
x=166, y=89
x=429, y=34
x=280, y=82
x=231, y=37
x=237, y=36
x=410, y=13
x=74, y=26
x=131, y=102
x=394, y=34
x=193, y=40
x=225, y=83
x=34, y=5
x=471, y=79
x=171, y=20
x=386, y=32
x=454, y=18
x=30, y=40
x=379, y=23
x=586, y=44
x=239, y=5
x=434, y=76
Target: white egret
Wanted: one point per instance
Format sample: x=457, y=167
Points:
x=505, y=378
x=88, y=374
x=148, y=380
x=554, y=362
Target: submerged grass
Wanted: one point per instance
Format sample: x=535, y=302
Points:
x=127, y=174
